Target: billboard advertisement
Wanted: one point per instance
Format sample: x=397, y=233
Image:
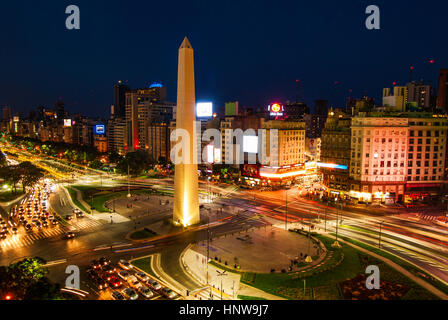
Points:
x=250, y=144
x=99, y=129
x=204, y=109
x=67, y=122
x=276, y=110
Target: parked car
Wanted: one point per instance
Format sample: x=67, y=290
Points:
x=123, y=275
x=117, y=295
x=146, y=292
x=130, y=294
x=154, y=284
x=125, y=264
x=142, y=276
x=133, y=282
x=168, y=293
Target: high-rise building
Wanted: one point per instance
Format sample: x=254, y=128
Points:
x=120, y=90
x=60, y=110
x=442, y=96
x=143, y=108
x=335, y=154
x=397, y=99
x=419, y=95
x=116, y=134
x=6, y=113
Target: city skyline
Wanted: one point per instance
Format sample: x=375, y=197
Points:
x=84, y=67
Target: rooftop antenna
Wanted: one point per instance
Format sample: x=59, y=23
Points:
x=411, y=69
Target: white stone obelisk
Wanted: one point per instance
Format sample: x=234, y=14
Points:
x=186, y=200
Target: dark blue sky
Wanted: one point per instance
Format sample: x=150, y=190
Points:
x=251, y=51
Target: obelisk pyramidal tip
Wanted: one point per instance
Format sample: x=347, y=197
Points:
x=186, y=199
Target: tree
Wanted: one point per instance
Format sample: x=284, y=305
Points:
x=137, y=162
x=96, y=164
x=11, y=175
x=30, y=174
x=26, y=280
x=3, y=161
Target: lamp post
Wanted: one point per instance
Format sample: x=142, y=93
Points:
x=336, y=243
x=221, y=274
x=129, y=184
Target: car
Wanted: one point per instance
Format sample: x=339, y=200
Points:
x=54, y=222
x=125, y=264
x=114, y=282
x=123, y=275
x=38, y=224
x=168, y=293
x=117, y=295
x=69, y=235
x=3, y=236
x=45, y=223
x=154, y=284
x=95, y=264
x=142, y=276
x=108, y=269
x=100, y=283
x=68, y=217
x=92, y=274
x=133, y=282
x=130, y=294
x=28, y=227
x=104, y=261
x=145, y=292
x=80, y=214
x=15, y=231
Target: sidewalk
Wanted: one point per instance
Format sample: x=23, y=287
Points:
x=195, y=264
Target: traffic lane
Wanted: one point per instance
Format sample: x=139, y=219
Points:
x=429, y=268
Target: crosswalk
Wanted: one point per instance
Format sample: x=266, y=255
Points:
x=85, y=223
x=25, y=240
x=28, y=239
x=209, y=293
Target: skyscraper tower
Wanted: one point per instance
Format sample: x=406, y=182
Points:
x=120, y=90
x=186, y=200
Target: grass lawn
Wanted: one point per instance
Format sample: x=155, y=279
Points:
x=101, y=195
x=411, y=268
x=73, y=195
x=249, y=298
x=326, y=285
x=145, y=265
x=142, y=234
x=6, y=196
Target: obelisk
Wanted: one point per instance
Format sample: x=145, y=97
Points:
x=186, y=200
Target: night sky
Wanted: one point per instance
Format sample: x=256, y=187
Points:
x=251, y=51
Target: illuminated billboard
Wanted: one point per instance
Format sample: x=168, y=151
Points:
x=250, y=144
x=204, y=109
x=99, y=129
x=67, y=122
x=276, y=110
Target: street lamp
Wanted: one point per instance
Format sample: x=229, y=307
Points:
x=129, y=185
x=336, y=243
x=221, y=274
